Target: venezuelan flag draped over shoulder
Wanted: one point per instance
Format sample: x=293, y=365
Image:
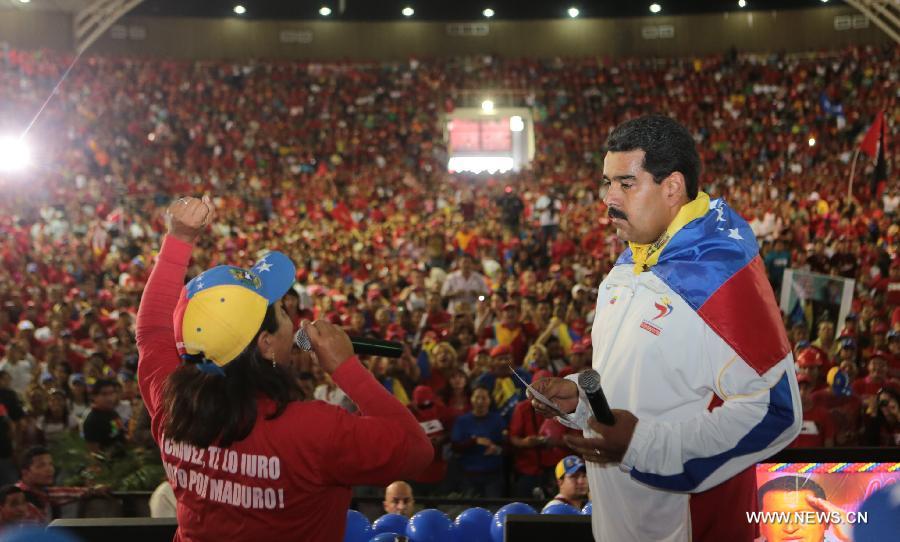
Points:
x=713, y=263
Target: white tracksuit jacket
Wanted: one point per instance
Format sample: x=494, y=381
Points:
x=658, y=359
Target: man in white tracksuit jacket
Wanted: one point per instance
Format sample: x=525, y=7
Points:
x=691, y=350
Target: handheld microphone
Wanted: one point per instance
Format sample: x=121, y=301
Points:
x=589, y=381
x=362, y=346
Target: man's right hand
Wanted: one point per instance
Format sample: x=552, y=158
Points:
x=559, y=390
x=187, y=217
x=330, y=343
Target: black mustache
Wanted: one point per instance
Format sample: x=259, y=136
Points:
x=616, y=213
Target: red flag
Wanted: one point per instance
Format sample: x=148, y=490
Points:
x=879, y=176
x=869, y=143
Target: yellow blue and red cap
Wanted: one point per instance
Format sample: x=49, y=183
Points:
x=221, y=310
x=569, y=465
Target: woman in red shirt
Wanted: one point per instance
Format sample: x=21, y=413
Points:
x=817, y=430
x=246, y=458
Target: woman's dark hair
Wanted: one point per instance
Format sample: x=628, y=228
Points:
x=64, y=415
x=486, y=390
x=203, y=409
x=446, y=393
x=875, y=426
x=668, y=147
x=881, y=403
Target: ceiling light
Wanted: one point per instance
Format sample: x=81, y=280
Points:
x=324, y=11
x=812, y=142
x=742, y=3
x=240, y=10
x=488, y=12
x=408, y=11
x=487, y=106
x=516, y=124
x=655, y=8
x=14, y=154
x=24, y=1
x=573, y=12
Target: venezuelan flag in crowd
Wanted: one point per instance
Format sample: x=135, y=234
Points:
x=566, y=337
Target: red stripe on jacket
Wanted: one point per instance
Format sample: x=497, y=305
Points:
x=712, y=520
x=743, y=312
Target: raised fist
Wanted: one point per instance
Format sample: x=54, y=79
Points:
x=187, y=217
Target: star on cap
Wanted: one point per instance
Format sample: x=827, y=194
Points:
x=733, y=233
x=263, y=266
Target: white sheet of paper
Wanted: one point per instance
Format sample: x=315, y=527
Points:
x=541, y=397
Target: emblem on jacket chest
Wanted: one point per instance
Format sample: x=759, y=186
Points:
x=662, y=308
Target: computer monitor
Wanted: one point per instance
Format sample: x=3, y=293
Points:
x=819, y=492
x=846, y=476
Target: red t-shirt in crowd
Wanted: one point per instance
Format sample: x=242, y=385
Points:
x=434, y=422
x=438, y=320
x=291, y=477
x=816, y=429
x=865, y=386
x=525, y=422
x=892, y=293
x=845, y=415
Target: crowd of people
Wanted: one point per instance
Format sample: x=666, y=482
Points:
x=488, y=281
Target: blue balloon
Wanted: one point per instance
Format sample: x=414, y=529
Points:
x=561, y=509
x=385, y=537
x=515, y=508
x=430, y=525
x=588, y=509
x=882, y=516
x=390, y=523
x=358, y=528
x=473, y=525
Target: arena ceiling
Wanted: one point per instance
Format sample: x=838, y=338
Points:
x=381, y=10
x=453, y=10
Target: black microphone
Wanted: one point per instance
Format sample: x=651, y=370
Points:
x=362, y=346
x=589, y=381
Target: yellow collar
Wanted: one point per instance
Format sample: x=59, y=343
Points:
x=646, y=256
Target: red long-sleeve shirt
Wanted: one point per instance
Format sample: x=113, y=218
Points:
x=290, y=478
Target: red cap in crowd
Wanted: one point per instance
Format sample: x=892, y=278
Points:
x=811, y=357
x=422, y=395
x=501, y=350
x=880, y=354
x=395, y=332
